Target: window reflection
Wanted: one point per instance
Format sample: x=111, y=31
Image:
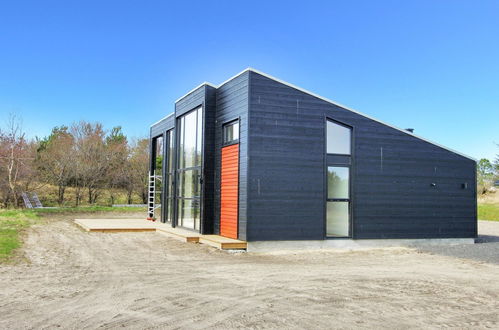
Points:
x=338, y=139
x=338, y=182
x=189, y=169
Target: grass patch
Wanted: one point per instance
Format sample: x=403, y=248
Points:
x=488, y=212
x=13, y=222
x=88, y=209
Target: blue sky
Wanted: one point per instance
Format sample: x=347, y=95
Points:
x=431, y=65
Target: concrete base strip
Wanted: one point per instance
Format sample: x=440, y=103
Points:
x=351, y=244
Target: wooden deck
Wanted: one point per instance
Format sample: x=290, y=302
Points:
x=141, y=225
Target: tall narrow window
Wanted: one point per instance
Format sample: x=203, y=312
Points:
x=338, y=201
x=158, y=175
x=338, y=143
x=169, y=175
x=189, y=176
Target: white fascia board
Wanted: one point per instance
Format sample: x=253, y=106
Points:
x=171, y=114
x=192, y=90
x=216, y=86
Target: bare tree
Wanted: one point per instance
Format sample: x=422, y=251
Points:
x=117, y=154
x=91, y=161
x=16, y=160
x=139, y=168
x=54, y=160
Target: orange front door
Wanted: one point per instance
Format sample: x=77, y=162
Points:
x=229, y=191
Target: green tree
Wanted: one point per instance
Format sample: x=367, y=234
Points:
x=118, y=153
x=485, y=175
x=54, y=160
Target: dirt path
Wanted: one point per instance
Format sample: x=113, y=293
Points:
x=79, y=280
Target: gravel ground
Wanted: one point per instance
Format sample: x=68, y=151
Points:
x=71, y=279
x=486, y=249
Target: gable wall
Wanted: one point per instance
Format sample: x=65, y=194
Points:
x=392, y=174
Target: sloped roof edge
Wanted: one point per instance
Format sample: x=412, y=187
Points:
x=324, y=99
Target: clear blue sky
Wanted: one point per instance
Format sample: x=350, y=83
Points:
x=432, y=65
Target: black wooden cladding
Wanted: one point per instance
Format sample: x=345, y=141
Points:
x=232, y=103
x=392, y=173
x=163, y=125
x=402, y=186
x=208, y=186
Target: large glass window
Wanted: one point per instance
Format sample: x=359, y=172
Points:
x=231, y=132
x=338, y=138
x=190, y=154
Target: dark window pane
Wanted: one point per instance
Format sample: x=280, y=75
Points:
x=158, y=162
x=199, y=142
x=337, y=219
x=338, y=139
x=338, y=182
x=181, y=156
x=170, y=151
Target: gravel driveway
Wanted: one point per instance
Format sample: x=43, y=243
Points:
x=486, y=249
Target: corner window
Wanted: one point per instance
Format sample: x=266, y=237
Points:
x=231, y=132
x=338, y=138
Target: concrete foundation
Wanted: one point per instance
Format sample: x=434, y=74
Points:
x=350, y=244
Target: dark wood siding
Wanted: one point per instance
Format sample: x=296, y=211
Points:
x=162, y=126
x=209, y=160
x=190, y=101
x=232, y=103
x=392, y=173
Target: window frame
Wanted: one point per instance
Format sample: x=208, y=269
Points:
x=227, y=124
x=350, y=165
x=351, y=137
x=180, y=166
x=169, y=175
x=336, y=199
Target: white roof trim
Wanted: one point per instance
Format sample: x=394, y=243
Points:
x=327, y=100
x=171, y=114
x=192, y=90
x=218, y=86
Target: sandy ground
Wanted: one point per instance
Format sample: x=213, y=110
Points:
x=77, y=280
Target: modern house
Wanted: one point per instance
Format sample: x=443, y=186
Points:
x=266, y=162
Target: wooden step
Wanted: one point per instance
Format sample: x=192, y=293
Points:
x=177, y=233
x=222, y=243
x=116, y=225
x=141, y=225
